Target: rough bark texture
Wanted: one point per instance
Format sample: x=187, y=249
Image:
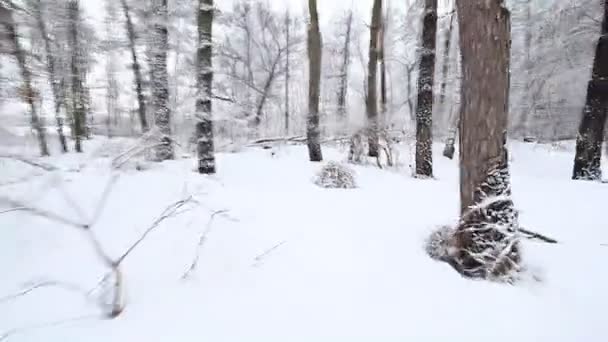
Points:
x=313, y=131
x=78, y=105
x=381, y=54
x=138, y=78
x=51, y=69
x=29, y=93
x=160, y=80
x=372, y=71
x=486, y=239
x=204, y=126
x=424, y=106
x=343, y=90
x=485, y=46
x=591, y=129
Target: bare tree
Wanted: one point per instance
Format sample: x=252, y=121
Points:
x=486, y=241
x=204, y=126
x=76, y=73
x=372, y=70
x=313, y=132
x=52, y=74
x=29, y=94
x=343, y=89
x=287, y=75
x=591, y=130
x=424, y=106
x=138, y=78
x=160, y=80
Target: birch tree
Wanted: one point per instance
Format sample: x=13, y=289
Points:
x=204, y=125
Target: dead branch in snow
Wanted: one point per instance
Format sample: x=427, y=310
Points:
x=258, y=259
x=16, y=331
x=201, y=242
x=22, y=159
x=536, y=236
x=44, y=285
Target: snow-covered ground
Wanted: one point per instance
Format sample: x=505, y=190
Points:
x=289, y=261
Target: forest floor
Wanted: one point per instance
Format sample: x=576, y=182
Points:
x=284, y=260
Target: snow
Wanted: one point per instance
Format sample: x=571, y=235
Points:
x=290, y=261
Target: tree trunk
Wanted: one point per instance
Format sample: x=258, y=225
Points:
x=452, y=113
x=591, y=130
x=29, y=93
x=287, y=75
x=343, y=90
x=381, y=54
x=424, y=106
x=372, y=70
x=160, y=81
x=50, y=66
x=486, y=240
x=138, y=78
x=313, y=132
x=78, y=105
x=204, y=126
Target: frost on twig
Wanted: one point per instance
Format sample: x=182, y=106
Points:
x=336, y=176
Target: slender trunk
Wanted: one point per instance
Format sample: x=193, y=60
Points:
x=451, y=111
x=313, y=132
x=591, y=130
x=204, y=126
x=160, y=81
x=50, y=66
x=287, y=47
x=343, y=90
x=486, y=240
x=410, y=104
x=424, y=106
x=29, y=92
x=138, y=78
x=266, y=91
x=381, y=54
x=372, y=88
x=78, y=106
x=446, y=64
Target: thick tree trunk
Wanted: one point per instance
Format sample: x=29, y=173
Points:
x=138, y=78
x=486, y=240
x=204, y=126
x=381, y=54
x=372, y=70
x=29, y=93
x=78, y=105
x=313, y=131
x=424, y=106
x=160, y=81
x=343, y=90
x=50, y=66
x=591, y=130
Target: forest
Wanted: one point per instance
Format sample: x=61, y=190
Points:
x=297, y=170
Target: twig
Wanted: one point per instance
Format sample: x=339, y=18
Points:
x=45, y=284
x=201, y=242
x=43, y=213
x=534, y=235
x=262, y=256
x=170, y=211
x=104, y=197
x=12, y=332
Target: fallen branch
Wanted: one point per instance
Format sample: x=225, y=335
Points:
x=262, y=256
x=46, y=167
x=201, y=242
x=16, y=331
x=42, y=285
x=533, y=235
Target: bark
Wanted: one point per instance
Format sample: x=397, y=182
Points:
x=424, y=106
x=204, y=126
x=343, y=90
x=160, y=80
x=26, y=75
x=313, y=132
x=51, y=69
x=138, y=78
x=381, y=54
x=372, y=70
x=591, y=130
x=486, y=238
x=78, y=105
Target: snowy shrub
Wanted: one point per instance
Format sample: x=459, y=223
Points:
x=438, y=242
x=336, y=176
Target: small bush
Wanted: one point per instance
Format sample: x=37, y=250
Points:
x=336, y=176
x=437, y=244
